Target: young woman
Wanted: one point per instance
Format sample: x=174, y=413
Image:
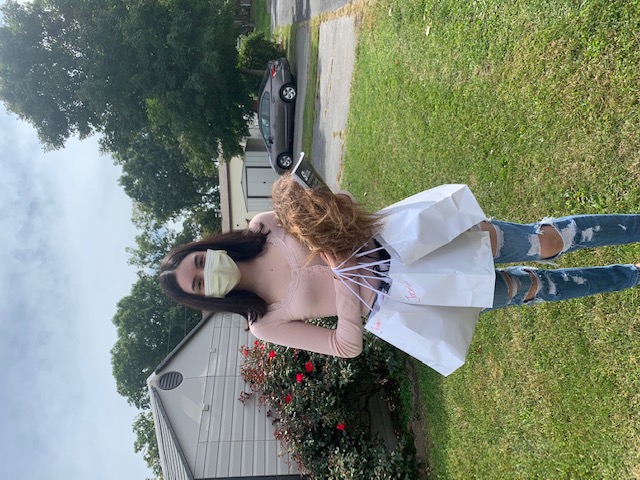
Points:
x=290, y=265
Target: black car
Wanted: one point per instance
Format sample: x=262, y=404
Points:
x=276, y=106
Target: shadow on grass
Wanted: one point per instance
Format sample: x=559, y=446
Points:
x=429, y=420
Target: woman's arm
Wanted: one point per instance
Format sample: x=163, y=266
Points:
x=345, y=341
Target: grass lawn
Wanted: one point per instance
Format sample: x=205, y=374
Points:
x=312, y=86
x=261, y=16
x=287, y=36
x=535, y=105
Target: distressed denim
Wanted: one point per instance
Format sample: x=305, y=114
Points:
x=521, y=243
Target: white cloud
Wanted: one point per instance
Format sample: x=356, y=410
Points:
x=64, y=225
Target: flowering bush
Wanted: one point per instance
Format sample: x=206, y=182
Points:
x=318, y=402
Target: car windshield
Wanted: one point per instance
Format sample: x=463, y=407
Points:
x=263, y=114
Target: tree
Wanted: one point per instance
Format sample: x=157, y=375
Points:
x=209, y=220
x=156, y=239
x=147, y=443
x=122, y=66
x=41, y=71
x=149, y=325
x=254, y=53
x=187, y=54
x=158, y=176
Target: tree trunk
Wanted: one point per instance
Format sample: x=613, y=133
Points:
x=255, y=73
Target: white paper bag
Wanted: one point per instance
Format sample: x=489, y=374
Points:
x=460, y=273
x=437, y=336
x=422, y=223
x=441, y=276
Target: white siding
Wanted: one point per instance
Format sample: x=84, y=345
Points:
x=218, y=435
x=173, y=464
x=258, y=205
x=259, y=178
x=259, y=181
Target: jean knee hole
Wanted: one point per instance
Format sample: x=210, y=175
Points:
x=534, y=289
x=513, y=285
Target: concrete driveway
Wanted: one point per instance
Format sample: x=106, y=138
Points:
x=336, y=57
x=286, y=12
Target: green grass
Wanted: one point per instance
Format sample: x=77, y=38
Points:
x=536, y=106
x=287, y=36
x=261, y=16
x=309, y=114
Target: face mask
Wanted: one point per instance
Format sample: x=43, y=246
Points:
x=221, y=274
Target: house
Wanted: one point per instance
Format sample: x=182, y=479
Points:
x=204, y=431
x=245, y=185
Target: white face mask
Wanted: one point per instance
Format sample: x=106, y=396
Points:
x=221, y=274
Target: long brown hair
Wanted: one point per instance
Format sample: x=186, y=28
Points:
x=320, y=219
x=239, y=245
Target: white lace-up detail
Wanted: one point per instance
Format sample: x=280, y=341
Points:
x=353, y=275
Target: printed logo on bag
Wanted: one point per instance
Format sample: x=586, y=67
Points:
x=411, y=293
x=377, y=326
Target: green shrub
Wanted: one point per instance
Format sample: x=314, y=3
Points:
x=254, y=53
x=319, y=404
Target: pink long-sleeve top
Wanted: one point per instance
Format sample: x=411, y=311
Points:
x=312, y=292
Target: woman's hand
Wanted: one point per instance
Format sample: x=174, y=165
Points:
x=335, y=262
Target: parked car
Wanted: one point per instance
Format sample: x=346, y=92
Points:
x=276, y=106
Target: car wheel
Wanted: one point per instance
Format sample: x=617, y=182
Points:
x=288, y=92
x=285, y=161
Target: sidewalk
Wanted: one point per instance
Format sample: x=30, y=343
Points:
x=336, y=58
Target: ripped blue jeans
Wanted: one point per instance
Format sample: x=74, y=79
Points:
x=521, y=243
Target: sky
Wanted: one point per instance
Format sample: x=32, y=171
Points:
x=64, y=226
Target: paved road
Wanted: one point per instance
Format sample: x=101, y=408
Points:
x=286, y=12
x=336, y=57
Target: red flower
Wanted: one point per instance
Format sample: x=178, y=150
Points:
x=287, y=398
x=341, y=426
x=308, y=367
x=262, y=346
x=245, y=352
x=272, y=354
x=299, y=377
x=256, y=343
